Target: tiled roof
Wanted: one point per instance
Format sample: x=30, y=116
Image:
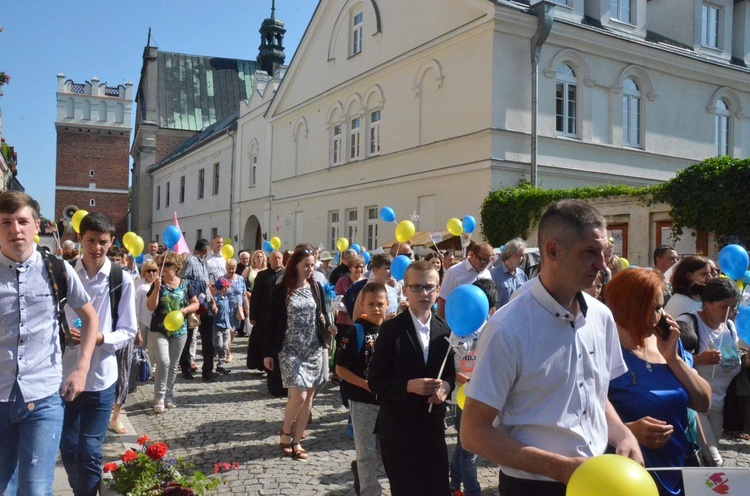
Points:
x=197, y=91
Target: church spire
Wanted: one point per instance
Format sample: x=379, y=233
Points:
x=271, y=50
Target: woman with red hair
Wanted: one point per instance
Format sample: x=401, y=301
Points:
x=652, y=398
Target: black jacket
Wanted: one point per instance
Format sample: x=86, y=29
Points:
x=277, y=317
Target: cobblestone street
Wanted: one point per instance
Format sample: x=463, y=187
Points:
x=235, y=420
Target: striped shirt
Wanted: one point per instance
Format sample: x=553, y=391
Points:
x=29, y=341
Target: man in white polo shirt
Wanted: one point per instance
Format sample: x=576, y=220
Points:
x=466, y=272
x=537, y=401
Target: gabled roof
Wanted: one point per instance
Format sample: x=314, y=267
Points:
x=213, y=131
x=196, y=91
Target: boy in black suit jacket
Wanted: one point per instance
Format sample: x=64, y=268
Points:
x=404, y=372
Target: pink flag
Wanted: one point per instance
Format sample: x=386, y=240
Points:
x=181, y=246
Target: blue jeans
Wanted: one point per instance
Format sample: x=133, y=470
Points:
x=30, y=434
x=463, y=464
x=84, y=429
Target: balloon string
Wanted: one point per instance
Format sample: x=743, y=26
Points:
x=164, y=260
x=440, y=374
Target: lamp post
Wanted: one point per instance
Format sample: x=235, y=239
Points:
x=544, y=17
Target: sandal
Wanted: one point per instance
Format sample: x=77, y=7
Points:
x=299, y=453
x=286, y=448
x=118, y=428
x=738, y=435
x=159, y=407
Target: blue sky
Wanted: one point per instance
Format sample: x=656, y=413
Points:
x=84, y=39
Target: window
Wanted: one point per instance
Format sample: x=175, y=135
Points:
x=214, y=233
x=166, y=199
x=198, y=234
x=201, y=182
x=253, y=168
x=92, y=203
x=375, y=133
x=91, y=173
x=333, y=228
x=336, y=145
x=351, y=225
x=372, y=228
x=631, y=114
x=620, y=10
x=216, y=180
x=158, y=197
x=722, y=129
x=182, y=189
x=356, y=33
x=566, y=101
x=710, y=26
x=354, y=139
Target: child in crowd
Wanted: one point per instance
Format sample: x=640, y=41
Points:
x=405, y=372
x=222, y=323
x=352, y=362
x=463, y=467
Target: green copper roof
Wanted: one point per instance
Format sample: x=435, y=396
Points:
x=196, y=91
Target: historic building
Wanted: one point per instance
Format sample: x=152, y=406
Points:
x=93, y=140
x=426, y=106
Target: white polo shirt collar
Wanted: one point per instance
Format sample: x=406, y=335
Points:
x=551, y=305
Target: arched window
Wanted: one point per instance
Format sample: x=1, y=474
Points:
x=722, y=128
x=631, y=114
x=566, y=101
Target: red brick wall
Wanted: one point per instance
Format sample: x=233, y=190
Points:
x=167, y=140
x=106, y=152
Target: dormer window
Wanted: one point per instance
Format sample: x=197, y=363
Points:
x=710, y=26
x=621, y=10
x=356, y=35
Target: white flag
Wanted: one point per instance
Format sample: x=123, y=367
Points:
x=436, y=237
x=711, y=481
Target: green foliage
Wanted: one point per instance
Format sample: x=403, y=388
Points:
x=512, y=212
x=711, y=196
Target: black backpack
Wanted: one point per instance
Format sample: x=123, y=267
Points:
x=58, y=278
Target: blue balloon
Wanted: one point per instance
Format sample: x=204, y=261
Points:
x=387, y=214
x=399, y=265
x=267, y=247
x=336, y=258
x=171, y=236
x=139, y=259
x=466, y=310
x=733, y=261
x=742, y=323
x=366, y=256
x=469, y=223
x=746, y=277
x=356, y=248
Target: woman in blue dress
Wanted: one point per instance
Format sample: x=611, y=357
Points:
x=653, y=396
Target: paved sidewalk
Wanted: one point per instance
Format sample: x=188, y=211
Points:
x=235, y=420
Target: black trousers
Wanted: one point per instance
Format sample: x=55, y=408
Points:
x=185, y=356
x=512, y=486
x=206, y=330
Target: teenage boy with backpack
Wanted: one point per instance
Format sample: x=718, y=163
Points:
x=86, y=417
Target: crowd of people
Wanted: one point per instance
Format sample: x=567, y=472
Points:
x=578, y=355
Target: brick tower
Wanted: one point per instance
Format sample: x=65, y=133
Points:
x=93, y=144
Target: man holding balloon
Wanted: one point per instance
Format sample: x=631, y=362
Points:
x=544, y=365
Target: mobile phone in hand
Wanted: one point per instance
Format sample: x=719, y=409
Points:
x=663, y=326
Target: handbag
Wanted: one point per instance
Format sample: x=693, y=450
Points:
x=324, y=336
x=193, y=320
x=144, y=365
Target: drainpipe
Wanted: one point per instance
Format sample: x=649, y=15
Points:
x=231, y=186
x=544, y=17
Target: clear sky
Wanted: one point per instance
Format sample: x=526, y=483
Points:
x=85, y=39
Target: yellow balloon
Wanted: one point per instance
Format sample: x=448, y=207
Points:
x=227, y=251
x=461, y=396
x=77, y=218
x=136, y=245
x=228, y=241
x=36, y=238
x=455, y=227
x=276, y=243
x=613, y=475
x=173, y=321
x=128, y=238
x=624, y=264
x=405, y=231
x=342, y=244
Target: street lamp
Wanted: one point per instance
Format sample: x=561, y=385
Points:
x=543, y=9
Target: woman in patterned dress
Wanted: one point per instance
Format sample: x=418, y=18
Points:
x=296, y=306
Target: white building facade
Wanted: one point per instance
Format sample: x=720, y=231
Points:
x=426, y=106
